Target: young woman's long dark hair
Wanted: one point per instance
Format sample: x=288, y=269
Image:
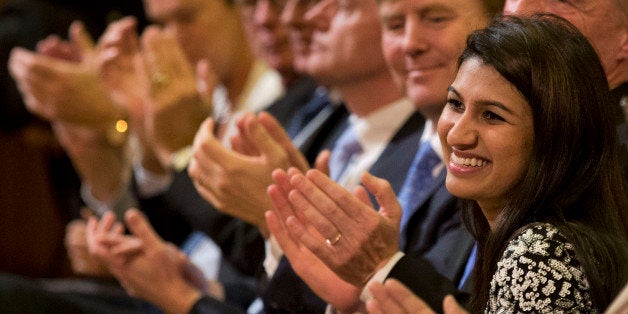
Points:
x=573, y=180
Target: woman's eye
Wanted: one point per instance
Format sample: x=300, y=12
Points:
x=488, y=115
x=455, y=104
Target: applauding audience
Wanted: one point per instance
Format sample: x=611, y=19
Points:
x=540, y=193
x=456, y=166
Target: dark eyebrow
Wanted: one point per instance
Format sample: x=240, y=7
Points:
x=453, y=90
x=496, y=104
x=483, y=102
x=388, y=17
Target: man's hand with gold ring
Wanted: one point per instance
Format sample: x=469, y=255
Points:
x=372, y=237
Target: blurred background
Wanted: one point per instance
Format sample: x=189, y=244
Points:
x=39, y=190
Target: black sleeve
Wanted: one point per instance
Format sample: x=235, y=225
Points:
x=422, y=278
x=437, y=252
x=209, y=305
x=286, y=292
x=181, y=209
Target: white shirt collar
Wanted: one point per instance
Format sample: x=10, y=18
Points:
x=381, y=125
x=429, y=134
x=263, y=86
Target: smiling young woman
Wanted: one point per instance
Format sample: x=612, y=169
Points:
x=488, y=128
x=529, y=141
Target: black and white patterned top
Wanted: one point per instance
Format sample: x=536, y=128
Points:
x=539, y=273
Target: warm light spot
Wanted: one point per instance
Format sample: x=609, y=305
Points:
x=121, y=126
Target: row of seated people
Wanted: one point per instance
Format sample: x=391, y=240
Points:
x=455, y=169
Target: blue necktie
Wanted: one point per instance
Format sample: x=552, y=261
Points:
x=346, y=147
x=419, y=184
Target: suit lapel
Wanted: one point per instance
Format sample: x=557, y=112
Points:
x=397, y=157
x=296, y=97
x=322, y=131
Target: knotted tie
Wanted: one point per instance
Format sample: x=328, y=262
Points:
x=419, y=183
x=345, y=149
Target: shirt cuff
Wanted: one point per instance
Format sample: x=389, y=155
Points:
x=273, y=255
x=122, y=201
x=380, y=276
x=330, y=309
x=181, y=159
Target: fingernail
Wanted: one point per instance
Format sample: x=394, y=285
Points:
x=296, y=179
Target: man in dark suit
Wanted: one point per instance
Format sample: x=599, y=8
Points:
x=304, y=106
x=286, y=292
x=382, y=114
x=431, y=232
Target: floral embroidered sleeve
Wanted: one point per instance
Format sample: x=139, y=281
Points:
x=539, y=273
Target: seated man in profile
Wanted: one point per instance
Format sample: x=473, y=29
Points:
x=424, y=242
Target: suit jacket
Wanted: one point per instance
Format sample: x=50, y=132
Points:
x=180, y=209
x=435, y=270
x=437, y=247
x=209, y=305
x=436, y=232
x=298, y=94
x=322, y=132
x=286, y=292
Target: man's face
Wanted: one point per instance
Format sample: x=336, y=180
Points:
x=300, y=32
x=206, y=29
x=603, y=22
x=345, y=41
x=267, y=35
x=422, y=41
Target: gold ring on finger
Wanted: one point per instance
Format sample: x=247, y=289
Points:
x=334, y=241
